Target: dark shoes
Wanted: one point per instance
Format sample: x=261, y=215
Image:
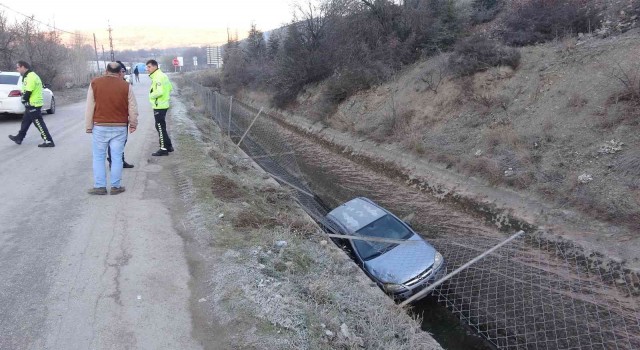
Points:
x=125, y=165
x=170, y=149
x=116, y=190
x=98, y=191
x=44, y=144
x=160, y=152
x=15, y=139
x=101, y=191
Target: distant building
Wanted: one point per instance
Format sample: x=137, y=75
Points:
x=97, y=66
x=214, y=56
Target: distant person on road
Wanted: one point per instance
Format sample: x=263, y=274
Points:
x=136, y=72
x=159, y=97
x=111, y=107
x=32, y=101
x=125, y=165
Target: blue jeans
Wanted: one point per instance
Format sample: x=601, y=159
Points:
x=114, y=137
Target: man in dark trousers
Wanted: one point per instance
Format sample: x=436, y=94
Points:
x=125, y=165
x=32, y=101
x=136, y=72
x=159, y=96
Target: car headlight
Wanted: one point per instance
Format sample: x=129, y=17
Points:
x=394, y=288
x=438, y=260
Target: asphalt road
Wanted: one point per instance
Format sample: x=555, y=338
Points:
x=88, y=272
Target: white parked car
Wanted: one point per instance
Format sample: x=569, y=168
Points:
x=11, y=96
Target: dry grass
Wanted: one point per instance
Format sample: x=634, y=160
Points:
x=501, y=133
x=618, y=111
x=485, y=167
x=620, y=210
x=629, y=80
x=629, y=164
x=576, y=102
x=225, y=188
x=486, y=100
x=252, y=218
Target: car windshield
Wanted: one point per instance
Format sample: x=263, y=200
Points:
x=9, y=79
x=385, y=227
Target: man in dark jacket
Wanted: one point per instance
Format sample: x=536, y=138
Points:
x=136, y=72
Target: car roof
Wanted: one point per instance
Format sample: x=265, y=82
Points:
x=357, y=213
x=9, y=73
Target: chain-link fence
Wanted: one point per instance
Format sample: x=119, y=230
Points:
x=533, y=293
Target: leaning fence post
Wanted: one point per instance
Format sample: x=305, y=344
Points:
x=207, y=97
x=249, y=128
x=459, y=269
x=217, y=107
x=230, y=108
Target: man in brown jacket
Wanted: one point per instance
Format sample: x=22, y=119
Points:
x=111, y=106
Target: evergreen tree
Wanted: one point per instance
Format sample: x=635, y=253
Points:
x=256, y=47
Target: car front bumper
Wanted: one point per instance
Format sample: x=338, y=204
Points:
x=422, y=284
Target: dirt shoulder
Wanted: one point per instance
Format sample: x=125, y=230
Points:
x=263, y=274
x=70, y=96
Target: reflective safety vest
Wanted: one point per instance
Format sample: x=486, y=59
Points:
x=160, y=90
x=31, y=82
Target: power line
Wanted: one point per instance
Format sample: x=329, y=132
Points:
x=32, y=17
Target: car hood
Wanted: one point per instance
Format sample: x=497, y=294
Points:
x=403, y=262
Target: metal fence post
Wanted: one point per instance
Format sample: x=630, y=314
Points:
x=249, y=128
x=230, y=108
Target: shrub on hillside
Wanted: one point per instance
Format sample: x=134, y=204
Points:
x=435, y=24
x=234, y=73
x=536, y=21
x=478, y=53
x=210, y=79
x=348, y=81
x=485, y=10
x=629, y=80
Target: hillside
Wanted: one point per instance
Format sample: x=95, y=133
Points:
x=559, y=132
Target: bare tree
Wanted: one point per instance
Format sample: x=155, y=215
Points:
x=7, y=39
x=79, y=56
x=435, y=76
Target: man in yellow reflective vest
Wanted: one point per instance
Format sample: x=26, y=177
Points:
x=32, y=101
x=159, y=96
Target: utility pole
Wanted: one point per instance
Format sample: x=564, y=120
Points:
x=111, y=44
x=95, y=48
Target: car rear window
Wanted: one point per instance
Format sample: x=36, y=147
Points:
x=385, y=227
x=9, y=79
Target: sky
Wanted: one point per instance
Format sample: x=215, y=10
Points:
x=149, y=24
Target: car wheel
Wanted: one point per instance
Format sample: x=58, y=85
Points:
x=52, y=110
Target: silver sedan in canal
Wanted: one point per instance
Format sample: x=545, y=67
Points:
x=400, y=261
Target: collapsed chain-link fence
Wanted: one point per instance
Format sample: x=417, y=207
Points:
x=532, y=293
